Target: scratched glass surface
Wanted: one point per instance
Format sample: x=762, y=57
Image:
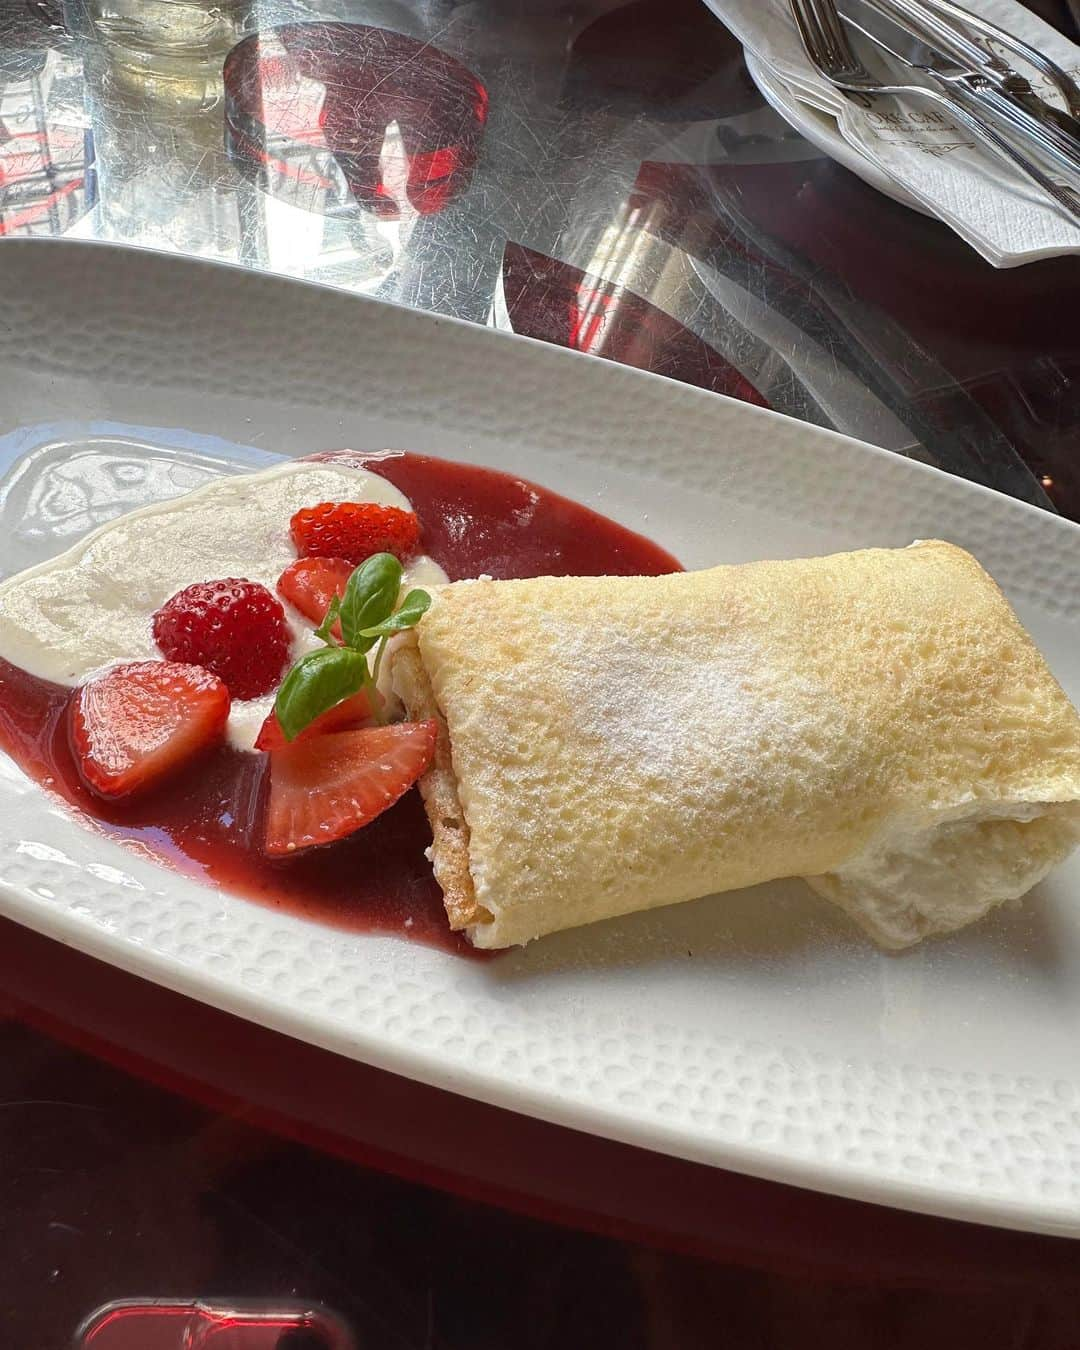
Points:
x=600, y=174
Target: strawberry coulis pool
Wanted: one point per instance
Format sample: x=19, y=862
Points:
x=205, y=821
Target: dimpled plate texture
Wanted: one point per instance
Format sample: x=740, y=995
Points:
x=756, y=1031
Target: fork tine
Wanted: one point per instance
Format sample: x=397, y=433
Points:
x=833, y=27
x=830, y=51
x=809, y=30
x=823, y=35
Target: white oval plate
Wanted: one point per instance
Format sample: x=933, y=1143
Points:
x=755, y=1031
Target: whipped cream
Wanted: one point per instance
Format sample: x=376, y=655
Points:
x=93, y=605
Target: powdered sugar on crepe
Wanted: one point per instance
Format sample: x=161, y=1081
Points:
x=646, y=704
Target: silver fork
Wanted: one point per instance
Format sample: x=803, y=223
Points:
x=830, y=51
x=988, y=33
x=955, y=56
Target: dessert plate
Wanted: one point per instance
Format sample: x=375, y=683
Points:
x=755, y=1031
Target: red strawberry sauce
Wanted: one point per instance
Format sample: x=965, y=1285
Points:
x=205, y=821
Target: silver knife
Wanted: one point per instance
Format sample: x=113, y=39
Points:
x=1009, y=96
x=929, y=39
x=988, y=33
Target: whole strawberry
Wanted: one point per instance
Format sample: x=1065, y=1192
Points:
x=354, y=531
x=232, y=627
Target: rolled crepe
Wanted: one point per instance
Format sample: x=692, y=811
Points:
x=876, y=722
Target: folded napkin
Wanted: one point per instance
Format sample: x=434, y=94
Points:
x=1000, y=213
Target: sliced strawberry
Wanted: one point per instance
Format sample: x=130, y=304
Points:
x=325, y=788
x=309, y=584
x=137, y=723
x=354, y=531
x=346, y=715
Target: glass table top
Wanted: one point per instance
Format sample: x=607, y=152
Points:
x=602, y=175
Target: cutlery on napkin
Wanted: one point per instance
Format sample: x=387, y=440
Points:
x=986, y=202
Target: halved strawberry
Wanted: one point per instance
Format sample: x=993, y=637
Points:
x=354, y=531
x=345, y=715
x=137, y=723
x=309, y=584
x=325, y=788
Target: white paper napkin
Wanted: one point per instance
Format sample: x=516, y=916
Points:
x=994, y=207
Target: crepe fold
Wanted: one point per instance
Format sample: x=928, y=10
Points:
x=876, y=722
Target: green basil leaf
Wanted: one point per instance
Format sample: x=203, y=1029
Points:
x=412, y=609
x=333, y=610
x=317, y=683
x=370, y=597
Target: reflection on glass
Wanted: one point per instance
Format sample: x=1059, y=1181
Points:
x=543, y=297
x=46, y=152
x=167, y=48
x=330, y=115
x=173, y=1324
x=154, y=90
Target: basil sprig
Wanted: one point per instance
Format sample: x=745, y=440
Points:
x=322, y=679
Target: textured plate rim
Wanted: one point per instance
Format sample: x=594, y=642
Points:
x=769, y=1162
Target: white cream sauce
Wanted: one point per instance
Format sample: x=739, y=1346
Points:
x=94, y=605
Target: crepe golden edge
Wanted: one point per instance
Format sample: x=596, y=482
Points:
x=438, y=788
x=1049, y=819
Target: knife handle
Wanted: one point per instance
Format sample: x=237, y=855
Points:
x=924, y=21
x=966, y=107
x=1053, y=145
x=989, y=33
